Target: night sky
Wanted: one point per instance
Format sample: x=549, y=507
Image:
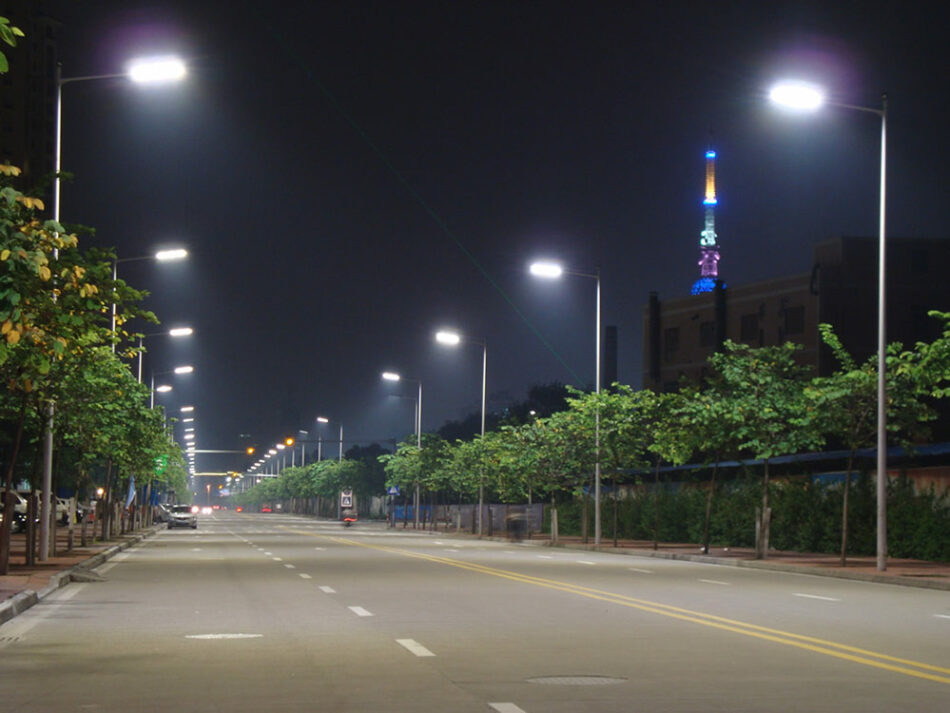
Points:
x=351, y=176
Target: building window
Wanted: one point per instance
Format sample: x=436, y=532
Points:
x=749, y=328
x=707, y=334
x=671, y=342
x=795, y=320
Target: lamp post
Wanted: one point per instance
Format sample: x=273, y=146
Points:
x=140, y=71
x=160, y=256
x=323, y=419
x=551, y=270
x=451, y=338
x=393, y=376
x=174, y=332
x=807, y=97
x=177, y=370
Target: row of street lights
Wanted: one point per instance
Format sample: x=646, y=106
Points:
x=143, y=71
x=790, y=94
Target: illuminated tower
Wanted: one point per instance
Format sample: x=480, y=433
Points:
x=708, y=243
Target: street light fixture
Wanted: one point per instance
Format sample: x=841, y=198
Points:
x=800, y=95
x=47, y=480
x=552, y=270
x=175, y=332
x=323, y=419
x=451, y=338
x=160, y=256
x=393, y=376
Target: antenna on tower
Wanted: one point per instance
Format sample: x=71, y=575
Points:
x=708, y=240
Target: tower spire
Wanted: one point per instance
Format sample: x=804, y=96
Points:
x=708, y=240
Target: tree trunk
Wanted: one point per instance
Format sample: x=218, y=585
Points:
x=764, y=519
x=7, y=505
x=844, y=510
x=616, y=508
x=709, y=500
x=656, y=506
x=554, y=528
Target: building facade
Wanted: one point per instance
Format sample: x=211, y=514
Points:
x=680, y=334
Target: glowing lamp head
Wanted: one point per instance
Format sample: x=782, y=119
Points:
x=176, y=254
x=163, y=389
x=323, y=419
x=184, y=369
x=288, y=441
x=180, y=332
x=448, y=338
x=548, y=270
x=391, y=376
x=157, y=69
x=187, y=409
x=797, y=95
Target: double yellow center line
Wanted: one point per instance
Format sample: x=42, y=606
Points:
x=907, y=667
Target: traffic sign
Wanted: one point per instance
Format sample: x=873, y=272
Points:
x=393, y=490
x=346, y=499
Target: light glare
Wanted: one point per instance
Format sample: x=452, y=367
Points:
x=391, y=376
x=157, y=69
x=175, y=254
x=184, y=369
x=180, y=332
x=549, y=270
x=797, y=95
x=449, y=338
x=163, y=389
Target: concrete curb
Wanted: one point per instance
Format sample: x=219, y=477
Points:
x=19, y=603
x=776, y=567
x=897, y=580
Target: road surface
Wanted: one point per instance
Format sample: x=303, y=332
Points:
x=259, y=613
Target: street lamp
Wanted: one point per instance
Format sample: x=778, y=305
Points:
x=160, y=256
x=808, y=97
x=322, y=419
x=393, y=376
x=174, y=332
x=160, y=389
x=169, y=74
x=450, y=338
x=552, y=270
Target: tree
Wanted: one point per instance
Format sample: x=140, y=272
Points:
x=844, y=405
x=767, y=384
x=8, y=33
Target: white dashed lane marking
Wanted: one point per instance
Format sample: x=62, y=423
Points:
x=289, y=566
x=360, y=611
x=716, y=581
x=415, y=647
x=327, y=590
x=305, y=576
x=506, y=708
x=641, y=571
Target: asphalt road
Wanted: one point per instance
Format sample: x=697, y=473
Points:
x=279, y=613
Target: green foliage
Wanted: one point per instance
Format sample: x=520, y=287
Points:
x=8, y=33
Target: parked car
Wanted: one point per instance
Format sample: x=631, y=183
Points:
x=19, y=521
x=183, y=516
x=162, y=513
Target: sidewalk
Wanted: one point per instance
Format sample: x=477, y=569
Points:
x=24, y=586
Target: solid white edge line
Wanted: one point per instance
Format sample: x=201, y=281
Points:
x=716, y=581
x=942, y=616
x=415, y=647
x=641, y=571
